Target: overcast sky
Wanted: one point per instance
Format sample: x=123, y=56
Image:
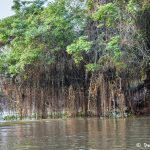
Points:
x=5, y=8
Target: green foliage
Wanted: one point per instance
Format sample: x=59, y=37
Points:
x=121, y=33
x=5, y=29
x=108, y=13
x=114, y=43
x=133, y=6
x=78, y=48
x=37, y=34
x=11, y=117
x=114, y=47
x=27, y=7
x=90, y=4
x=21, y=49
x=92, y=67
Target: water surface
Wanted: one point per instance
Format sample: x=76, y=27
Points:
x=77, y=134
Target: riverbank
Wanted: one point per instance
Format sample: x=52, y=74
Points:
x=28, y=121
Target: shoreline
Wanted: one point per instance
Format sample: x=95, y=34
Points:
x=24, y=122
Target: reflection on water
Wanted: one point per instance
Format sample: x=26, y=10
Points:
x=77, y=134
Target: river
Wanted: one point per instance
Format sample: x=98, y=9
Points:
x=77, y=134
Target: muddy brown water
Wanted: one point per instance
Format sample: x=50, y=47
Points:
x=78, y=134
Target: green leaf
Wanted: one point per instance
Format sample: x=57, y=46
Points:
x=78, y=48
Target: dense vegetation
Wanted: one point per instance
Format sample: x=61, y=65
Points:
x=80, y=57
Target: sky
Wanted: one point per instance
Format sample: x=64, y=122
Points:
x=5, y=8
